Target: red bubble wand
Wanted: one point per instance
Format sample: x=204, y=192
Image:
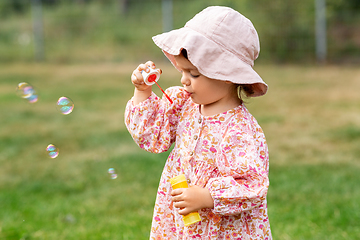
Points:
x=151, y=78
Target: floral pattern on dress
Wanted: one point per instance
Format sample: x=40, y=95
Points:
x=225, y=153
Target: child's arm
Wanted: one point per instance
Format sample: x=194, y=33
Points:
x=243, y=164
x=191, y=199
x=142, y=91
x=152, y=121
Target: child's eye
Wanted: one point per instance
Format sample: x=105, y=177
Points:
x=194, y=75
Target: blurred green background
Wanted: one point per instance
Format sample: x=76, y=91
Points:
x=310, y=117
x=121, y=30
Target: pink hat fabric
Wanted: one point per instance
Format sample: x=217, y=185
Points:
x=221, y=43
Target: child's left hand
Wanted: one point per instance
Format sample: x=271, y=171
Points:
x=191, y=199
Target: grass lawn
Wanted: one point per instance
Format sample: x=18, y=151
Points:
x=310, y=117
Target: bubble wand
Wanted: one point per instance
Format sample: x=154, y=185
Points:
x=152, y=77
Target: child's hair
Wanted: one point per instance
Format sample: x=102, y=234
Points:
x=242, y=90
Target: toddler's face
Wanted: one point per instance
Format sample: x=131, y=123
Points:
x=203, y=90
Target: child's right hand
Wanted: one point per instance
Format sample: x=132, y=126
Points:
x=142, y=90
x=137, y=78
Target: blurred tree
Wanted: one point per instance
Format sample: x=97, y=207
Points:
x=124, y=6
x=8, y=7
x=341, y=5
x=285, y=28
x=344, y=29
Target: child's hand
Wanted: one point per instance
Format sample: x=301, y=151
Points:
x=142, y=91
x=137, y=78
x=191, y=199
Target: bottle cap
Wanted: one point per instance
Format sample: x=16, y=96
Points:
x=191, y=218
x=177, y=179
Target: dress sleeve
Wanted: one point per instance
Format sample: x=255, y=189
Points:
x=153, y=122
x=243, y=164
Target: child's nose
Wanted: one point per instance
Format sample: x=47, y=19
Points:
x=185, y=80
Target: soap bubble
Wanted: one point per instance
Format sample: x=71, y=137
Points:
x=52, y=151
x=25, y=90
x=65, y=105
x=112, y=173
x=33, y=98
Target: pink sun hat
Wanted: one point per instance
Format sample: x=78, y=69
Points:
x=221, y=43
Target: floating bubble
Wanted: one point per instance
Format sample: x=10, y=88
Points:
x=52, y=151
x=25, y=90
x=112, y=173
x=65, y=105
x=33, y=98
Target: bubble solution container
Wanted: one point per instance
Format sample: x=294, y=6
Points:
x=180, y=182
x=151, y=77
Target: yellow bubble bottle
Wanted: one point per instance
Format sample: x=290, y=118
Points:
x=180, y=182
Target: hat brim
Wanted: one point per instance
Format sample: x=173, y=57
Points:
x=210, y=58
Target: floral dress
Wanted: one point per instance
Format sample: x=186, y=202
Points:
x=225, y=153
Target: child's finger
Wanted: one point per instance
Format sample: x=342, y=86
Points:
x=176, y=192
x=143, y=67
x=177, y=198
x=153, y=66
x=180, y=205
x=184, y=211
x=137, y=78
x=150, y=64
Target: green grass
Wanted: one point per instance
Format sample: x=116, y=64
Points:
x=310, y=117
x=314, y=201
